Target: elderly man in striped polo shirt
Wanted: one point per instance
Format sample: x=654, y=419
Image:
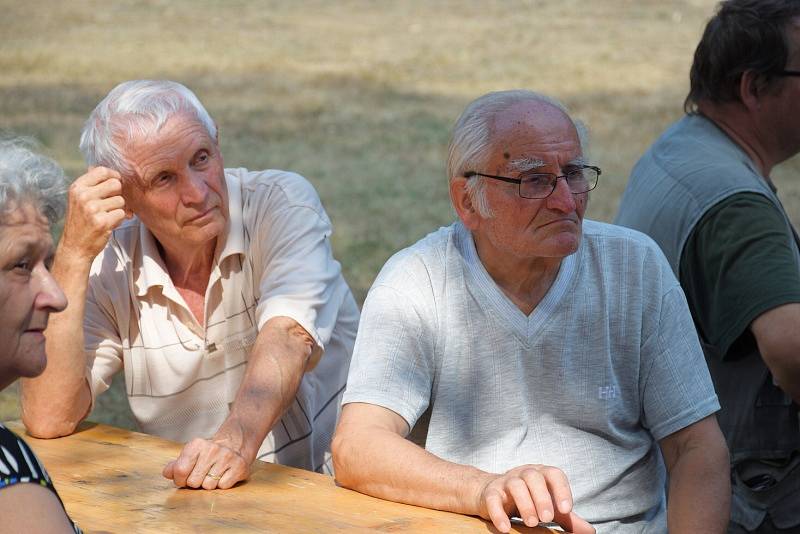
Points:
x=213, y=289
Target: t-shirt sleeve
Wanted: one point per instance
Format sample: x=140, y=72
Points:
x=675, y=384
x=392, y=363
x=737, y=264
x=300, y=278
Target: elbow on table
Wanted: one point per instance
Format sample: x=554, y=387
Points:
x=47, y=425
x=341, y=450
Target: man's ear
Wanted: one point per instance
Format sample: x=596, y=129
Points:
x=751, y=89
x=462, y=203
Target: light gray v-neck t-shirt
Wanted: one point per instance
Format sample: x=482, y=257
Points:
x=605, y=366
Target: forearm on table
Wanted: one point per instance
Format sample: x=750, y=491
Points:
x=381, y=463
x=274, y=372
x=57, y=400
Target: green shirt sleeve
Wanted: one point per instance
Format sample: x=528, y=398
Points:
x=737, y=264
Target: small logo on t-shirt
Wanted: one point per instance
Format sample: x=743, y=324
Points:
x=607, y=392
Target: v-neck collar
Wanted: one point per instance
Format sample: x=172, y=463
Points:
x=526, y=327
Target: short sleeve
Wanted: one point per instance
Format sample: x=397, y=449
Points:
x=299, y=277
x=392, y=363
x=101, y=330
x=675, y=385
x=737, y=264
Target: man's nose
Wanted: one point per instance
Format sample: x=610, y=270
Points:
x=562, y=199
x=194, y=189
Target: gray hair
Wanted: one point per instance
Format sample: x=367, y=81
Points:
x=26, y=176
x=471, y=144
x=135, y=109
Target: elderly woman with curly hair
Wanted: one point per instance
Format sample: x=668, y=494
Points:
x=32, y=198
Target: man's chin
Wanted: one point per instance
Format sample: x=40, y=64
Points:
x=565, y=244
x=202, y=234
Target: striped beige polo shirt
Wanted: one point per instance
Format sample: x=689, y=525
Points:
x=181, y=376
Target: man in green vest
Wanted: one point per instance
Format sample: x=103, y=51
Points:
x=703, y=192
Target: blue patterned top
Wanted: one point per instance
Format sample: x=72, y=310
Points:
x=18, y=464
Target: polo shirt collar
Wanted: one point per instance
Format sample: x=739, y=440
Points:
x=234, y=237
x=151, y=271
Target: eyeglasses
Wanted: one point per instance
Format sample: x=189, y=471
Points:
x=789, y=73
x=536, y=185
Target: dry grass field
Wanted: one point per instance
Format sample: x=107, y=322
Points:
x=358, y=96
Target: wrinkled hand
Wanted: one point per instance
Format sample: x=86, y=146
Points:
x=200, y=463
x=536, y=493
x=95, y=207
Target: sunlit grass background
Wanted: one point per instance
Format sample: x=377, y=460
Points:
x=358, y=96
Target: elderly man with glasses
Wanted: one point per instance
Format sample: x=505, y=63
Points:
x=547, y=365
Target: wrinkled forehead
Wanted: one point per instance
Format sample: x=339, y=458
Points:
x=142, y=139
x=524, y=133
x=536, y=120
x=23, y=215
x=137, y=130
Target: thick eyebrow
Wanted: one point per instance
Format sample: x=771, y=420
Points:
x=526, y=164
x=577, y=162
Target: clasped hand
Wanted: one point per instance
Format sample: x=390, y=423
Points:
x=537, y=493
x=207, y=464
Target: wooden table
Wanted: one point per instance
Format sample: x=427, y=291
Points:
x=110, y=481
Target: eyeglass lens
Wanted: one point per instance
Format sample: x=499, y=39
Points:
x=536, y=185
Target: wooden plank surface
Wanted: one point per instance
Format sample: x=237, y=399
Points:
x=110, y=481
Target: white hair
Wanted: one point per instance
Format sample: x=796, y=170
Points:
x=26, y=176
x=135, y=109
x=471, y=143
